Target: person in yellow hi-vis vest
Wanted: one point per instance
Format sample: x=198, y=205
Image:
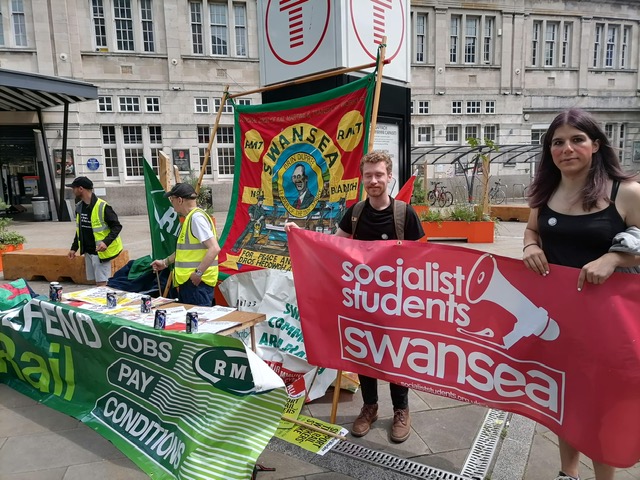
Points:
x=97, y=232
x=196, y=257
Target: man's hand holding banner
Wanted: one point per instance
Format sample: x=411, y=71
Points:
x=479, y=328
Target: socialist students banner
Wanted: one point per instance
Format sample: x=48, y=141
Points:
x=479, y=328
x=295, y=161
x=178, y=405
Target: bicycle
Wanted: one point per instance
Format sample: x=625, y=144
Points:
x=496, y=195
x=439, y=195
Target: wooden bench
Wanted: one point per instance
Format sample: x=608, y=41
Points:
x=507, y=213
x=53, y=264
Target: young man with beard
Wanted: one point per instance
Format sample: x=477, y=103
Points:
x=376, y=222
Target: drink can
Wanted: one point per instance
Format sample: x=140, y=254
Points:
x=112, y=301
x=145, y=304
x=55, y=292
x=160, y=320
x=192, y=322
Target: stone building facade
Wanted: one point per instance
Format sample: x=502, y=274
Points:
x=497, y=69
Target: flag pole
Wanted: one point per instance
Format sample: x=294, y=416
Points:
x=376, y=93
x=310, y=78
x=212, y=135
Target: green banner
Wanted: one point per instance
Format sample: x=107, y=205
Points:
x=178, y=405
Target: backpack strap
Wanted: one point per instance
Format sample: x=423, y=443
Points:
x=355, y=215
x=399, y=217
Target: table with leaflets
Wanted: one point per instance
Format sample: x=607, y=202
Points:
x=217, y=319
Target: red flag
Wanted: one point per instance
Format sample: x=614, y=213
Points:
x=406, y=191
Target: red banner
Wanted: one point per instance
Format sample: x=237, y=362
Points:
x=479, y=328
x=295, y=161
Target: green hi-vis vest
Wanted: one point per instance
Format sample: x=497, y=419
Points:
x=190, y=252
x=100, y=229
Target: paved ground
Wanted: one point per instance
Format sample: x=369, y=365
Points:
x=38, y=443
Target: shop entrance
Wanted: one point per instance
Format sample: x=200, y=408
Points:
x=19, y=180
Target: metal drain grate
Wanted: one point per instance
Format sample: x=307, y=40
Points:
x=401, y=465
x=484, y=446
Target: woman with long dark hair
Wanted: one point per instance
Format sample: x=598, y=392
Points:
x=580, y=199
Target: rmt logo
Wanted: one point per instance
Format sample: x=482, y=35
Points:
x=225, y=368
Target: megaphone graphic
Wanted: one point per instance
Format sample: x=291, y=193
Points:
x=485, y=282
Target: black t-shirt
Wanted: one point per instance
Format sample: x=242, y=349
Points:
x=87, y=240
x=379, y=224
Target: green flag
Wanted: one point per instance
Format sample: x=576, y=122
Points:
x=163, y=219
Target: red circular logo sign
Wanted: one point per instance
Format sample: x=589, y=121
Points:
x=375, y=19
x=295, y=29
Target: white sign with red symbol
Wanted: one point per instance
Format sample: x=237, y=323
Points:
x=303, y=37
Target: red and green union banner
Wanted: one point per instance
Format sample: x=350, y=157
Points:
x=296, y=161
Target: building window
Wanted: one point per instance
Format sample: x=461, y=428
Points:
x=146, y=15
x=490, y=106
x=621, y=143
x=218, y=26
x=535, y=43
x=124, y=24
x=420, y=47
x=487, y=40
x=550, y=44
x=18, y=23
x=477, y=38
x=202, y=105
x=491, y=133
x=99, y=24
x=453, y=39
x=110, y=151
x=557, y=50
x=155, y=144
x=204, y=132
x=471, y=40
x=453, y=133
x=456, y=107
x=228, y=106
x=566, y=42
x=536, y=135
x=612, y=50
x=105, y=104
x=129, y=104
x=474, y=106
x=470, y=131
x=225, y=151
x=624, y=52
x=424, y=134
x=197, y=42
x=133, y=150
x=153, y=104
x=608, y=131
x=423, y=107
x=240, y=17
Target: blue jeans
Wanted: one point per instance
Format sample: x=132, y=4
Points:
x=202, y=295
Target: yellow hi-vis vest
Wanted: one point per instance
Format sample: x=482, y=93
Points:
x=190, y=252
x=100, y=230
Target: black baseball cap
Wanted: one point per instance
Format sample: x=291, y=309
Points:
x=83, y=182
x=182, y=190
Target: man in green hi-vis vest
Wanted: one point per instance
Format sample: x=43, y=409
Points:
x=97, y=232
x=196, y=257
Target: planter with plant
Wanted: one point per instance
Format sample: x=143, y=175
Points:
x=419, y=197
x=464, y=221
x=10, y=240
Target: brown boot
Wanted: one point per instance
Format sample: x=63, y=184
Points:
x=401, y=428
x=362, y=425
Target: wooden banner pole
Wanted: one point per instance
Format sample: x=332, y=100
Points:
x=212, y=136
x=336, y=397
x=376, y=94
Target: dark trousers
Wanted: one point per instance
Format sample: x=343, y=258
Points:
x=201, y=295
x=369, y=387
